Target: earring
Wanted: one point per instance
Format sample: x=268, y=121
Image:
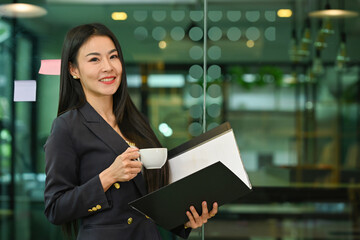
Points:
x=75, y=77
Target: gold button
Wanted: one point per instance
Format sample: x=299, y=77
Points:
x=117, y=185
x=90, y=210
x=147, y=216
x=94, y=209
x=130, y=220
x=98, y=207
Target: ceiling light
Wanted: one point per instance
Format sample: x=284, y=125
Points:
x=284, y=13
x=327, y=27
x=250, y=43
x=342, y=58
x=119, y=16
x=320, y=42
x=317, y=67
x=333, y=13
x=293, y=48
x=21, y=10
x=162, y=44
x=307, y=36
x=303, y=50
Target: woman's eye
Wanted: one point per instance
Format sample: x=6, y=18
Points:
x=114, y=56
x=94, y=59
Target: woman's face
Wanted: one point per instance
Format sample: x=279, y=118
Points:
x=99, y=67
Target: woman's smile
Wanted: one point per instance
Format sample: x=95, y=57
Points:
x=108, y=80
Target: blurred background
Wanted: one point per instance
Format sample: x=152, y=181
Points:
x=284, y=73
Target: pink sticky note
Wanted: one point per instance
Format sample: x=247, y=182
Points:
x=50, y=67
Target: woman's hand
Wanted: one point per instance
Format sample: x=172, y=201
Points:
x=123, y=169
x=195, y=220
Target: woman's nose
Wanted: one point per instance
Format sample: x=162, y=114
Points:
x=106, y=65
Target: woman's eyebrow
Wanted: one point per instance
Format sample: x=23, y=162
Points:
x=93, y=53
x=111, y=51
x=98, y=54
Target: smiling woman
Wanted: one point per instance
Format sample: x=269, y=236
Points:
x=90, y=153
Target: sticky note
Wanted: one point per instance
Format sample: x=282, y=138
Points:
x=50, y=67
x=24, y=91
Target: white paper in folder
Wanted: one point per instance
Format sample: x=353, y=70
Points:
x=221, y=148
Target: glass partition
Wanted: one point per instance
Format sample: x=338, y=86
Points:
x=6, y=207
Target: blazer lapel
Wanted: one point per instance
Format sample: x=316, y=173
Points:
x=102, y=129
x=109, y=136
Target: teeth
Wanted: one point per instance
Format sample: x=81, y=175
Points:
x=107, y=79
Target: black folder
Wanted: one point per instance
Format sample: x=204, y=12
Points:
x=167, y=206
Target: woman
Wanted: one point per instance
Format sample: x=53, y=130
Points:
x=90, y=173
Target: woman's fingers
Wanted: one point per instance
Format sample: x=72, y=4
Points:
x=191, y=222
x=214, y=210
x=195, y=220
x=131, y=153
x=196, y=216
x=205, y=212
x=124, y=166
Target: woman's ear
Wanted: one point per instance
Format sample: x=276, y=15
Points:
x=73, y=70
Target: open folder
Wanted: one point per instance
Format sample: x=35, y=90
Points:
x=206, y=168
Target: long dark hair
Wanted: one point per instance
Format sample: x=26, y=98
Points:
x=132, y=123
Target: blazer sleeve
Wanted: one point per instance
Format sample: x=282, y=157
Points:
x=65, y=199
x=181, y=231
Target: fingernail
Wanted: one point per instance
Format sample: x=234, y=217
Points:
x=204, y=203
x=192, y=208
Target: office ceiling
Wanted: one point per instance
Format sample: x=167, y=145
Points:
x=149, y=22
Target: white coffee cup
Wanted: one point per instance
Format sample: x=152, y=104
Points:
x=153, y=158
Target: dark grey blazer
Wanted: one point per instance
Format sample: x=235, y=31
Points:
x=80, y=146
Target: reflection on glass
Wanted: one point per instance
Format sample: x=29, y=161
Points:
x=195, y=111
x=195, y=129
x=270, y=33
x=196, y=71
x=215, y=33
x=159, y=16
x=214, y=52
x=214, y=90
x=213, y=110
x=177, y=33
x=270, y=16
x=196, y=90
x=233, y=16
x=177, y=15
x=196, y=16
x=158, y=33
x=215, y=16
x=196, y=33
x=252, y=33
x=252, y=16
x=233, y=33
x=196, y=52
x=140, y=15
x=214, y=72
x=141, y=33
